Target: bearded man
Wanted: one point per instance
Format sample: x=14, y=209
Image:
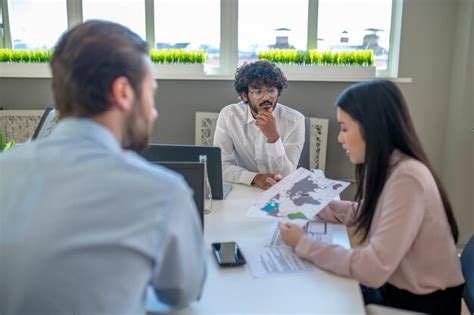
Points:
x=86, y=224
x=260, y=139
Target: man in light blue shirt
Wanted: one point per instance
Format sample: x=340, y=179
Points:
x=86, y=226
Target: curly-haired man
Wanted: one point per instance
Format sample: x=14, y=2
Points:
x=261, y=140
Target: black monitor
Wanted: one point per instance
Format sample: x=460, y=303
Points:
x=193, y=173
x=191, y=153
x=45, y=125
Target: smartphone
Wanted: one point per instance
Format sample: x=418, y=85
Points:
x=228, y=254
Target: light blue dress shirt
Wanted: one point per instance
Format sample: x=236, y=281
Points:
x=85, y=226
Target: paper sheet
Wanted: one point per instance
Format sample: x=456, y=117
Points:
x=272, y=256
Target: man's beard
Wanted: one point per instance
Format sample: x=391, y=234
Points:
x=135, y=138
x=256, y=109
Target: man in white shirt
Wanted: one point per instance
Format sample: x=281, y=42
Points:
x=261, y=140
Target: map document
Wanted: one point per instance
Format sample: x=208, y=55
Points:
x=300, y=195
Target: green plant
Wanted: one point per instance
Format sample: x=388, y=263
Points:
x=25, y=56
x=4, y=145
x=172, y=56
x=168, y=56
x=314, y=57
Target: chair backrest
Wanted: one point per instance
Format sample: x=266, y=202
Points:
x=314, y=149
x=46, y=124
x=305, y=153
x=21, y=124
x=205, y=126
x=319, y=141
x=467, y=262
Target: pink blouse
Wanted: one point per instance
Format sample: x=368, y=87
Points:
x=409, y=244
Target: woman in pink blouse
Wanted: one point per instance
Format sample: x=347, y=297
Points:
x=401, y=209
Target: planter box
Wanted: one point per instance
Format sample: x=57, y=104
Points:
x=180, y=69
x=42, y=70
x=25, y=70
x=329, y=73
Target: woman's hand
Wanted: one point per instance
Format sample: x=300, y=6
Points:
x=290, y=233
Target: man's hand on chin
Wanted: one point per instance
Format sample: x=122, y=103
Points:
x=267, y=124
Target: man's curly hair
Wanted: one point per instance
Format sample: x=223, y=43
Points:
x=257, y=73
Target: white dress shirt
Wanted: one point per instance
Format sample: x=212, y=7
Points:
x=244, y=147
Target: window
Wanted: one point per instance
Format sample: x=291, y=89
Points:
x=230, y=31
x=130, y=13
x=354, y=25
x=36, y=24
x=189, y=25
x=267, y=24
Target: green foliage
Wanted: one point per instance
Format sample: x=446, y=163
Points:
x=5, y=145
x=314, y=57
x=171, y=56
x=168, y=56
x=25, y=56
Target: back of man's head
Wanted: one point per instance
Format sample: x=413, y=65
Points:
x=87, y=60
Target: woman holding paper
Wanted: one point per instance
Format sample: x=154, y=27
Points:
x=401, y=209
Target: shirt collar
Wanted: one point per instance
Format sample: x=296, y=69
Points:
x=250, y=118
x=87, y=129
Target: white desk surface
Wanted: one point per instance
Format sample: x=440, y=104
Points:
x=234, y=290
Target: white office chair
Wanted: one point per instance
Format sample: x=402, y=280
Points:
x=205, y=125
x=319, y=128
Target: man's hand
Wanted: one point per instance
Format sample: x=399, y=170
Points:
x=267, y=124
x=265, y=181
x=290, y=233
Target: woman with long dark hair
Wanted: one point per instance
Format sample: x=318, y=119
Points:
x=401, y=209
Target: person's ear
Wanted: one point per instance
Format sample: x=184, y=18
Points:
x=122, y=93
x=244, y=97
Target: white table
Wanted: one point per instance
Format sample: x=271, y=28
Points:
x=234, y=290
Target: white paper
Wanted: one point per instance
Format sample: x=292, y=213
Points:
x=264, y=260
x=272, y=256
x=299, y=196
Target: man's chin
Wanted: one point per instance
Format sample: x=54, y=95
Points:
x=267, y=108
x=137, y=146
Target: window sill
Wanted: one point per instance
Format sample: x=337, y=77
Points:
x=185, y=72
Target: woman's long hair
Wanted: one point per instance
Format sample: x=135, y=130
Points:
x=382, y=113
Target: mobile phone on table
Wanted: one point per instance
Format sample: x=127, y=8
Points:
x=228, y=254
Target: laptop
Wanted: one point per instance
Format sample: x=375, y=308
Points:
x=45, y=125
x=190, y=153
x=193, y=173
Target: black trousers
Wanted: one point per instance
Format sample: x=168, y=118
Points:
x=439, y=302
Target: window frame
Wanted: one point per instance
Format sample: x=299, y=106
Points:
x=228, y=33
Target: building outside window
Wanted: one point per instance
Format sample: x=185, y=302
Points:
x=36, y=24
x=267, y=24
x=189, y=25
x=130, y=13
